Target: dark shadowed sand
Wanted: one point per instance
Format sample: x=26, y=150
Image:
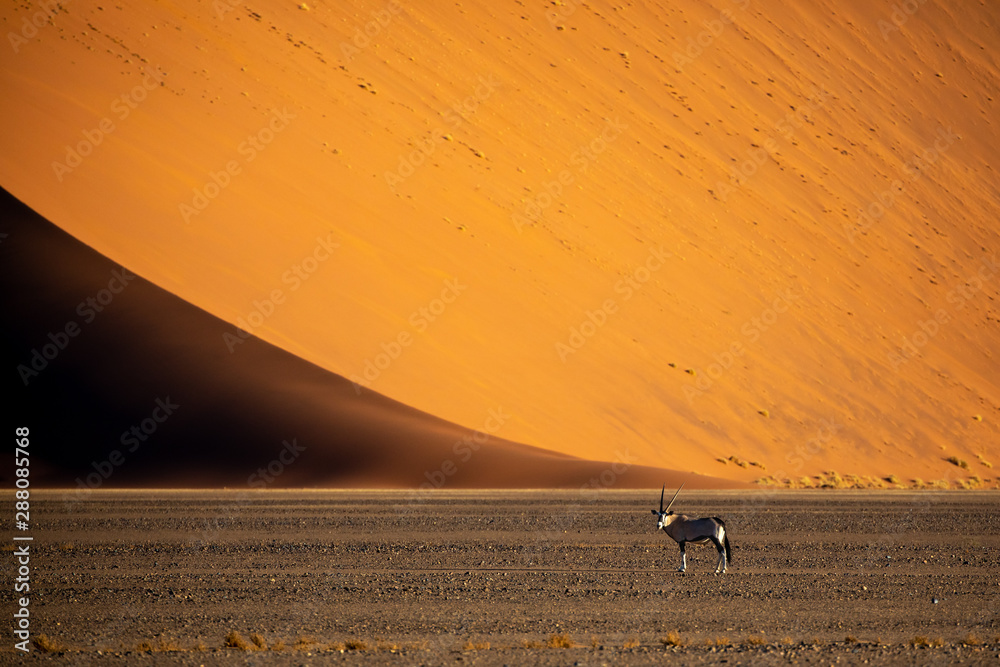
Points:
x=418, y=578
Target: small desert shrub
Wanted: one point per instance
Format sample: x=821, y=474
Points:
x=46, y=644
x=722, y=460
x=235, y=640
x=787, y=640
x=851, y=639
x=722, y=641
x=919, y=640
x=754, y=640
x=594, y=641
x=672, y=639
x=560, y=641
x=892, y=479
x=983, y=462
x=258, y=641
x=278, y=645
x=833, y=480
x=764, y=413
x=738, y=461
x=355, y=645
x=971, y=640
x=954, y=460
x=937, y=642
x=632, y=642
x=303, y=641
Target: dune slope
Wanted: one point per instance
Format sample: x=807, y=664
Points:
x=125, y=384
x=695, y=230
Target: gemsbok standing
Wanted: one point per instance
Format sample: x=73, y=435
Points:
x=684, y=529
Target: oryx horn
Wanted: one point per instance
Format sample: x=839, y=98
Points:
x=661, y=497
x=671, y=500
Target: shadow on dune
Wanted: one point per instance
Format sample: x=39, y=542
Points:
x=124, y=384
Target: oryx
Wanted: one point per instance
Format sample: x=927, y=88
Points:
x=684, y=529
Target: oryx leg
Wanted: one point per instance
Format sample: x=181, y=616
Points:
x=721, y=565
x=683, y=558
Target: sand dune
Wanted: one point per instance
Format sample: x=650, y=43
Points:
x=125, y=384
x=691, y=230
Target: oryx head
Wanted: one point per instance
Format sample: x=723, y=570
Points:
x=664, y=514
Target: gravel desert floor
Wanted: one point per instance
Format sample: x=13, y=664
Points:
x=510, y=577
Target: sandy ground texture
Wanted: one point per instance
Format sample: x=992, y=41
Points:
x=694, y=229
x=506, y=577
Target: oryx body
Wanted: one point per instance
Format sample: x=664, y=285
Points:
x=684, y=529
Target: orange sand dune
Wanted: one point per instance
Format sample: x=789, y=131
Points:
x=692, y=230
x=124, y=384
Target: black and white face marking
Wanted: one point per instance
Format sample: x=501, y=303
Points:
x=664, y=519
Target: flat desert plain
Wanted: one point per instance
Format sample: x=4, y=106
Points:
x=511, y=577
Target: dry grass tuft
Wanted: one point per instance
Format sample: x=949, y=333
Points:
x=531, y=643
x=738, y=461
x=851, y=639
x=672, y=639
x=983, y=462
x=258, y=641
x=356, y=645
x=787, y=640
x=560, y=641
x=199, y=646
x=722, y=641
x=961, y=463
x=754, y=640
x=475, y=646
x=595, y=641
x=304, y=642
x=235, y=640
x=278, y=645
x=632, y=642
x=971, y=640
x=46, y=644
x=923, y=642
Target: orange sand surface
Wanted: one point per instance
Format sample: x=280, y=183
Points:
x=688, y=230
